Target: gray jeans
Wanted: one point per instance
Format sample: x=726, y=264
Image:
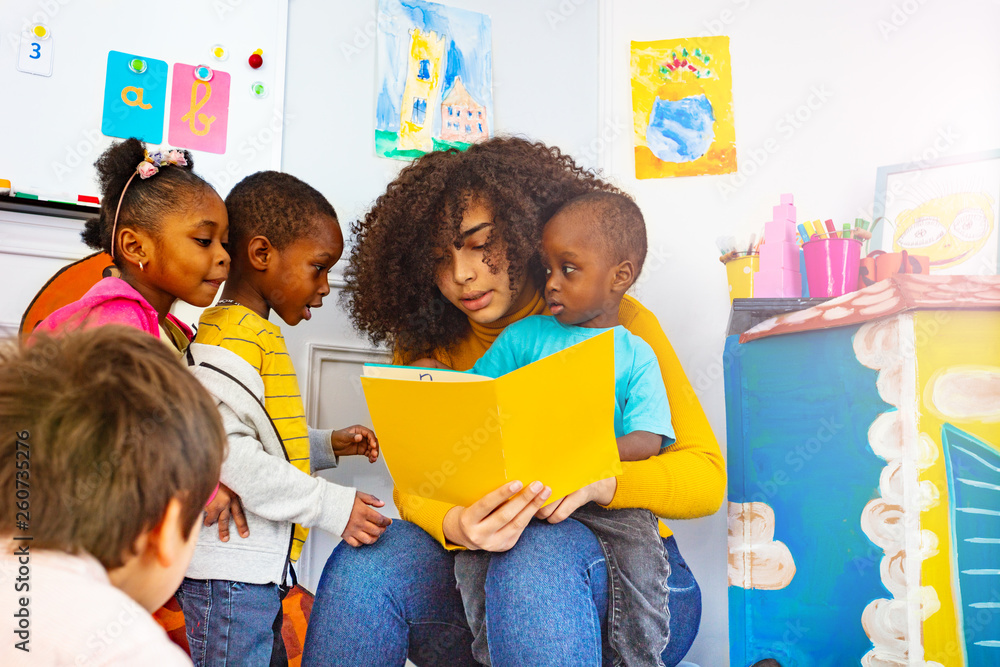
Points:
x=638, y=618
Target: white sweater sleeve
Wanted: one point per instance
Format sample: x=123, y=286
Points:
x=273, y=488
x=321, y=456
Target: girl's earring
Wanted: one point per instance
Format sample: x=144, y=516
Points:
x=140, y=266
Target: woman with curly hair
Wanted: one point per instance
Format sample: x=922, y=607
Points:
x=443, y=262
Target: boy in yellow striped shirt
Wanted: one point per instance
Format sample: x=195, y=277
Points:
x=283, y=238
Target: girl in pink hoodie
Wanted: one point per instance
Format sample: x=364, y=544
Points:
x=166, y=229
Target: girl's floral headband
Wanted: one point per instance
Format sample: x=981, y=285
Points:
x=149, y=166
x=157, y=159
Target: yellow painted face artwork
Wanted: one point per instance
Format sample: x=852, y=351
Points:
x=948, y=229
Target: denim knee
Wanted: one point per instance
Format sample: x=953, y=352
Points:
x=552, y=546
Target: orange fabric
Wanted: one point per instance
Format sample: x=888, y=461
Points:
x=685, y=481
x=171, y=619
x=297, y=606
x=68, y=284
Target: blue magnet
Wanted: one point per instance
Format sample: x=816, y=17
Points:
x=203, y=73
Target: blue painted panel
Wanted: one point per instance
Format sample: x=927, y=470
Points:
x=798, y=411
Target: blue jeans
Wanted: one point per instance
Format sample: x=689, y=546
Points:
x=546, y=600
x=231, y=623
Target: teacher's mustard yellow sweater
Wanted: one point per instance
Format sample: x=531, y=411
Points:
x=687, y=480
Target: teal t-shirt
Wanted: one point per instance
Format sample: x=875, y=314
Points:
x=640, y=397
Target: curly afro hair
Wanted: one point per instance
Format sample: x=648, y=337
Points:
x=146, y=201
x=392, y=292
x=274, y=205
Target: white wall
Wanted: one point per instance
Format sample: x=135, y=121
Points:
x=873, y=83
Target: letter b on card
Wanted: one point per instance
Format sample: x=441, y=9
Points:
x=199, y=110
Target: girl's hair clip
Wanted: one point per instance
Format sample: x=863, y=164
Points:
x=149, y=166
x=153, y=161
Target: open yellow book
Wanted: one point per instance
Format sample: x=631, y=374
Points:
x=455, y=437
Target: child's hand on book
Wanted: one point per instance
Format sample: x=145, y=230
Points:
x=355, y=440
x=601, y=492
x=365, y=525
x=224, y=506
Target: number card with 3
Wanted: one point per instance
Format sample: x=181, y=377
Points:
x=35, y=54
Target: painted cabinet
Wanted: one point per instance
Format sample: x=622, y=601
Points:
x=864, y=479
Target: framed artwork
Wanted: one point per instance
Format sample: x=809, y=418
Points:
x=682, y=107
x=944, y=209
x=435, y=78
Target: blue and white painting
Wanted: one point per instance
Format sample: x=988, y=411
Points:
x=435, y=78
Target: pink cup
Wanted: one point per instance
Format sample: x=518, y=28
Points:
x=832, y=266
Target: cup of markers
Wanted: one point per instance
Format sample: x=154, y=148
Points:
x=832, y=257
x=739, y=271
x=740, y=264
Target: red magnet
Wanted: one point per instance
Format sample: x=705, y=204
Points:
x=255, y=59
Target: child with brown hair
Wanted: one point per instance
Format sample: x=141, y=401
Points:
x=110, y=449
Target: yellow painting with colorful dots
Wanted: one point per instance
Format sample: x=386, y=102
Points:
x=682, y=107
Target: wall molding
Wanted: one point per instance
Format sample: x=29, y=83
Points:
x=45, y=236
x=46, y=253
x=336, y=275
x=320, y=353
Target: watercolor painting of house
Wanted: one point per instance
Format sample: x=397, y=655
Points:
x=464, y=119
x=435, y=73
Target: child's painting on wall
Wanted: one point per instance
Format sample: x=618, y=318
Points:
x=946, y=211
x=682, y=106
x=435, y=78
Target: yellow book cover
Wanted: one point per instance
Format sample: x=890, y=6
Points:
x=455, y=437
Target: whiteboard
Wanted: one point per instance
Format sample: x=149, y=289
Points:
x=50, y=126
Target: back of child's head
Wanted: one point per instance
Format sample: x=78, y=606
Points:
x=111, y=427
x=617, y=224
x=278, y=206
x=146, y=200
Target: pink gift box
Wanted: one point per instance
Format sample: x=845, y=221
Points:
x=784, y=255
x=777, y=283
x=778, y=231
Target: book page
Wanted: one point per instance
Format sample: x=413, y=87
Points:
x=417, y=373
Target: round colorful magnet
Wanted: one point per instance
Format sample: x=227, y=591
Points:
x=137, y=65
x=220, y=52
x=39, y=31
x=203, y=73
x=258, y=89
x=255, y=60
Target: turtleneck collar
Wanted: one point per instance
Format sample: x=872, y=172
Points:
x=487, y=333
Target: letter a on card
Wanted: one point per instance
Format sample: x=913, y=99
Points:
x=199, y=110
x=135, y=95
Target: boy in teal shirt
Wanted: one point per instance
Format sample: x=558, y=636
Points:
x=593, y=249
